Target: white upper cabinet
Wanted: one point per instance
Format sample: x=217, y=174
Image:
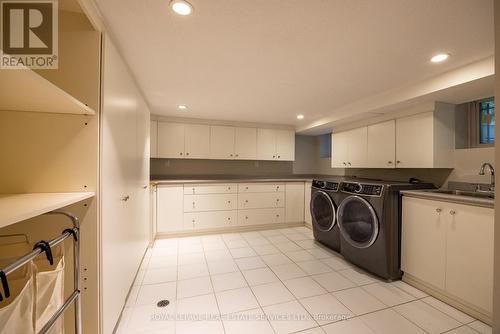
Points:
x=202, y=141
x=414, y=138
x=170, y=140
x=228, y=142
x=340, y=150
x=424, y=140
x=153, y=146
x=245, y=143
x=349, y=148
x=266, y=144
x=382, y=145
x=197, y=141
x=285, y=145
x=357, y=147
x=275, y=144
x=222, y=142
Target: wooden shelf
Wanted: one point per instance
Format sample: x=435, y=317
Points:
x=26, y=90
x=18, y=207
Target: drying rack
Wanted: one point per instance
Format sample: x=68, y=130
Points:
x=45, y=247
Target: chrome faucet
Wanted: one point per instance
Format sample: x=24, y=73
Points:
x=492, y=172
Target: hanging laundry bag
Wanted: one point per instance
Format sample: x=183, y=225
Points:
x=49, y=291
x=17, y=311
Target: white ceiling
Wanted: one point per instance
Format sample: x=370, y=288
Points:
x=268, y=60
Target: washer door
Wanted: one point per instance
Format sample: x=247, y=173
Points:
x=323, y=211
x=358, y=222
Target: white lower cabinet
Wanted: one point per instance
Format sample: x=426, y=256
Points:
x=261, y=216
x=307, y=203
x=210, y=202
x=450, y=247
x=261, y=200
x=184, y=207
x=169, y=208
x=294, y=195
x=211, y=219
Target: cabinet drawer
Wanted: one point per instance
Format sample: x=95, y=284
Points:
x=261, y=216
x=204, y=220
x=260, y=187
x=210, y=202
x=261, y=200
x=197, y=189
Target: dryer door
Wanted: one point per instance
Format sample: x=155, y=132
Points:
x=323, y=211
x=358, y=222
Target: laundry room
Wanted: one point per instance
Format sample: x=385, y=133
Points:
x=228, y=167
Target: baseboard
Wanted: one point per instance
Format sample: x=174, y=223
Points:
x=232, y=229
x=449, y=299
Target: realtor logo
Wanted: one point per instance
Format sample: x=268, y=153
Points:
x=29, y=34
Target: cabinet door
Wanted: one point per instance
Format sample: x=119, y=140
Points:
x=358, y=147
x=414, y=141
x=170, y=140
x=169, y=208
x=212, y=219
x=266, y=144
x=285, y=145
x=153, y=139
x=197, y=141
x=221, y=142
x=340, y=150
x=382, y=145
x=294, y=202
x=260, y=187
x=469, y=254
x=423, y=240
x=212, y=188
x=245, y=143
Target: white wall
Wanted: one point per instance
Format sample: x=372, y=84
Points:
x=124, y=172
x=468, y=163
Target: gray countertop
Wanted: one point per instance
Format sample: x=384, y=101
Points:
x=459, y=199
x=233, y=178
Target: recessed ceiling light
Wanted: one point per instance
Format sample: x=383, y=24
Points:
x=182, y=106
x=440, y=57
x=181, y=7
x=300, y=116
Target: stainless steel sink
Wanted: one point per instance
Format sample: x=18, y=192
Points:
x=476, y=194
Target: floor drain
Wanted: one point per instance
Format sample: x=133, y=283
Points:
x=162, y=303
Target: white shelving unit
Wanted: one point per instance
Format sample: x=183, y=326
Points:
x=26, y=90
x=18, y=207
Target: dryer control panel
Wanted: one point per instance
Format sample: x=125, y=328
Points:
x=362, y=188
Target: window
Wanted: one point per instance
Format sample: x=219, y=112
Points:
x=487, y=122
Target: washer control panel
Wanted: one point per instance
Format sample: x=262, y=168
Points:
x=327, y=185
x=362, y=188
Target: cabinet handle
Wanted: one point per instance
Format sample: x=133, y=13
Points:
x=144, y=187
x=349, y=163
x=274, y=157
x=228, y=188
x=180, y=153
x=277, y=200
x=230, y=155
x=246, y=188
x=228, y=218
x=398, y=162
x=345, y=164
x=246, y=201
x=193, y=204
x=452, y=212
x=229, y=202
x=279, y=156
x=187, y=153
x=389, y=162
x=277, y=215
x=125, y=198
x=237, y=155
x=246, y=217
x=438, y=210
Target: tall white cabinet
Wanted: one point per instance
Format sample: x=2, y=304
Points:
x=124, y=189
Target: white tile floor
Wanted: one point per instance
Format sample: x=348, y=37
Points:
x=274, y=281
